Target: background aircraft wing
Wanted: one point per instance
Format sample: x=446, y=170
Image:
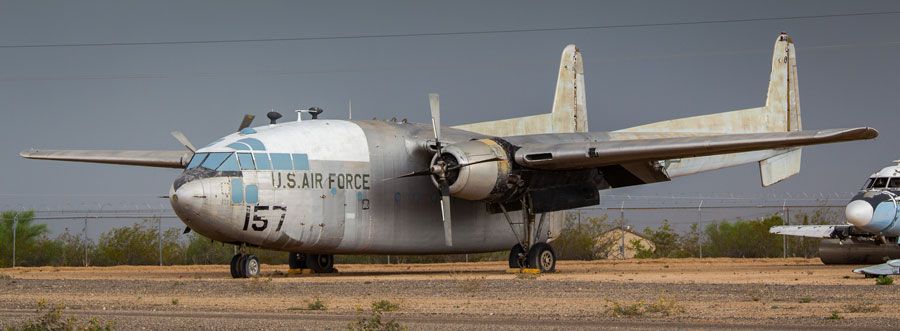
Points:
x=813, y=231
x=582, y=151
x=162, y=159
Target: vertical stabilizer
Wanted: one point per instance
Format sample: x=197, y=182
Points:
x=569, y=111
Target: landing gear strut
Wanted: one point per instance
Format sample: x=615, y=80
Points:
x=244, y=265
x=318, y=263
x=528, y=253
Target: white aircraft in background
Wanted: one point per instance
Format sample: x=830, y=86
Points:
x=872, y=232
x=321, y=187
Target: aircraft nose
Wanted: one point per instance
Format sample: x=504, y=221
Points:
x=859, y=213
x=187, y=200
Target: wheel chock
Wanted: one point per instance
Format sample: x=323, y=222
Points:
x=523, y=271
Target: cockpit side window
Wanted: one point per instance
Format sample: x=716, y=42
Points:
x=246, y=161
x=196, y=160
x=230, y=164
x=262, y=161
x=894, y=183
x=880, y=182
x=214, y=160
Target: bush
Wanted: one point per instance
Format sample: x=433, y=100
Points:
x=884, y=280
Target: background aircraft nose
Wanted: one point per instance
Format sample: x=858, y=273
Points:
x=859, y=213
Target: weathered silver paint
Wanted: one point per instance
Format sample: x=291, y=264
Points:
x=400, y=216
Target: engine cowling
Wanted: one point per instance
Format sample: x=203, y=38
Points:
x=488, y=181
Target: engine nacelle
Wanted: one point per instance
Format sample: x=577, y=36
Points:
x=488, y=181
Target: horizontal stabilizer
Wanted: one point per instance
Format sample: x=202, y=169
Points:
x=591, y=153
x=812, y=231
x=161, y=159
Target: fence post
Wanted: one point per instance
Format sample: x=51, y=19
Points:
x=159, y=234
x=622, y=229
x=15, y=225
x=700, y=227
x=784, y=221
x=84, y=235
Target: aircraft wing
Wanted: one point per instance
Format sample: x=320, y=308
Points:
x=161, y=159
x=812, y=231
x=582, y=151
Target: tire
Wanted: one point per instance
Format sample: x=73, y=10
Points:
x=251, y=266
x=242, y=266
x=541, y=256
x=297, y=261
x=514, y=261
x=235, y=268
x=320, y=263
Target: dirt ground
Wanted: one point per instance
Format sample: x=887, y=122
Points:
x=637, y=294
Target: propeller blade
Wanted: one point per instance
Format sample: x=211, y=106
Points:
x=183, y=140
x=445, y=213
x=245, y=123
x=435, y=101
x=473, y=163
x=425, y=172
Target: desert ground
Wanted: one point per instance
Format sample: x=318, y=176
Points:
x=635, y=294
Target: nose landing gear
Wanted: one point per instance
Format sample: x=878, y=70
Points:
x=244, y=266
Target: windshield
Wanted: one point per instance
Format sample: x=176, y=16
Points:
x=196, y=160
x=879, y=182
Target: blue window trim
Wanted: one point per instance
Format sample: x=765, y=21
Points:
x=237, y=191
x=252, y=194
x=230, y=164
x=281, y=161
x=254, y=143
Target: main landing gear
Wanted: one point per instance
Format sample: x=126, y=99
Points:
x=244, y=265
x=529, y=253
x=317, y=263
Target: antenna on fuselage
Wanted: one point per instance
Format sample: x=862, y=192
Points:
x=349, y=109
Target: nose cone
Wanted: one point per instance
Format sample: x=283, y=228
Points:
x=187, y=200
x=859, y=213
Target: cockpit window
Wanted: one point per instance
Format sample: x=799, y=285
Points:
x=230, y=164
x=196, y=160
x=894, y=183
x=214, y=160
x=246, y=161
x=262, y=161
x=281, y=161
x=880, y=182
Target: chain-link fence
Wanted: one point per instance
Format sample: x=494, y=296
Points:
x=81, y=227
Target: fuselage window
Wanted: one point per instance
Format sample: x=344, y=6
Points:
x=262, y=161
x=196, y=160
x=230, y=164
x=894, y=183
x=214, y=160
x=281, y=161
x=246, y=161
x=880, y=182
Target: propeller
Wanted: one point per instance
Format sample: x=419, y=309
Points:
x=245, y=123
x=183, y=140
x=440, y=168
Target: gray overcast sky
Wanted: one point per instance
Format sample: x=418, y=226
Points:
x=130, y=97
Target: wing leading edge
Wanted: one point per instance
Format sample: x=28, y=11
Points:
x=591, y=153
x=160, y=159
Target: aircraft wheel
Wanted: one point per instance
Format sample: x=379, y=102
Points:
x=541, y=256
x=517, y=257
x=250, y=266
x=297, y=261
x=320, y=263
x=235, y=267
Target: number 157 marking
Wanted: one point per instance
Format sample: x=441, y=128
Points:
x=259, y=222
